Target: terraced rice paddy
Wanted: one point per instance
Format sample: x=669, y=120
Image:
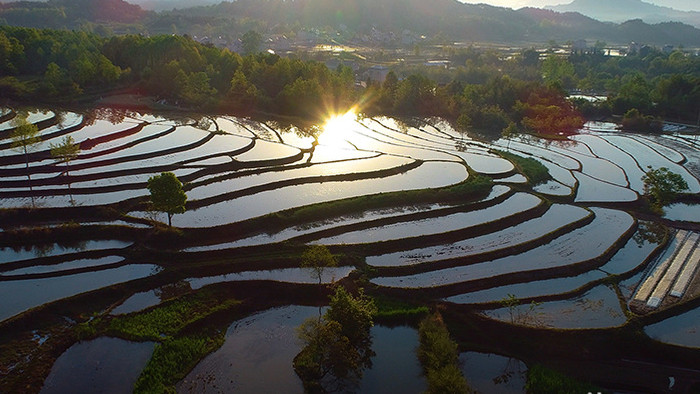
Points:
x=258, y=195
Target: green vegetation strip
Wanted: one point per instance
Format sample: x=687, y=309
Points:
x=439, y=357
x=544, y=380
x=391, y=309
x=534, y=171
x=169, y=319
x=173, y=359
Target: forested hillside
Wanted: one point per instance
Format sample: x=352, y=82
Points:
x=448, y=19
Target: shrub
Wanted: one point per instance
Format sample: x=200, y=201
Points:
x=438, y=355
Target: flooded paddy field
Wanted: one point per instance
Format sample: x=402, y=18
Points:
x=413, y=210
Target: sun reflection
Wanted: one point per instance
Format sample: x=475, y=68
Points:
x=338, y=129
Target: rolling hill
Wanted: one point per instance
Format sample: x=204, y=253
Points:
x=450, y=19
x=624, y=10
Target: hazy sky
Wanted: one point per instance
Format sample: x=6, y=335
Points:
x=685, y=5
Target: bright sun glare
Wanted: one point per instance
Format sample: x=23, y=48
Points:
x=338, y=129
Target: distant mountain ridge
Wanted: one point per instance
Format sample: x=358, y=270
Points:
x=33, y=13
x=624, y=10
x=454, y=21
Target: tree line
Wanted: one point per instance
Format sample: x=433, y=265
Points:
x=47, y=64
x=654, y=83
x=483, y=91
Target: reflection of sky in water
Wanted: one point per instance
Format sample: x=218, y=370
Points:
x=428, y=175
x=598, y=308
x=579, y=245
x=32, y=117
x=517, y=203
x=625, y=260
x=288, y=275
x=683, y=212
x=102, y=365
x=395, y=366
x=493, y=374
x=498, y=190
x=594, y=190
x=653, y=142
x=324, y=169
x=265, y=150
x=595, y=167
x=84, y=263
x=678, y=330
x=646, y=156
x=8, y=254
x=288, y=233
x=556, y=217
x=257, y=356
x=553, y=188
x=137, y=302
x=36, y=292
x=605, y=150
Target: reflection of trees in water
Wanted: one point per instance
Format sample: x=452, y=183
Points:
x=299, y=128
x=43, y=250
x=513, y=369
x=76, y=246
x=205, y=123
x=565, y=144
x=330, y=362
x=110, y=114
x=60, y=118
x=650, y=232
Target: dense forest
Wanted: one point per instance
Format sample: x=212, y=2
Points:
x=42, y=64
x=483, y=92
x=447, y=20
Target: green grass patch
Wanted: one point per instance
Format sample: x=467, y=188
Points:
x=173, y=359
x=170, y=318
x=391, y=308
x=543, y=380
x=535, y=172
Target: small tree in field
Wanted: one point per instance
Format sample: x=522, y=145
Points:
x=65, y=152
x=24, y=137
x=167, y=194
x=662, y=186
x=317, y=258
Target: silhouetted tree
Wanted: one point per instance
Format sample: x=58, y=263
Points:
x=167, y=194
x=317, y=258
x=24, y=137
x=65, y=152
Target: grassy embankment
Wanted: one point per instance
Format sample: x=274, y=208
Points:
x=396, y=311
x=533, y=170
